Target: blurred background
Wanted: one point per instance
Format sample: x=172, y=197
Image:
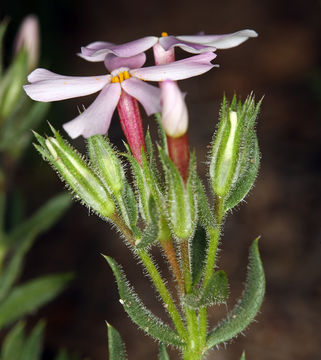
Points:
x=283, y=65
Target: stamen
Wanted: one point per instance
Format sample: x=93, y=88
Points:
x=164, y=34
x=121, y=76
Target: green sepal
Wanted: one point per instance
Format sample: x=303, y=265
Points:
x=181, y=199
x=141, y=186
x=28, y=297
x=128, y=207
x=247, y=307
x=243, y=356
x=151, y=160
x=162, y=353
x=33, y=345
x=235, y=154
x=116, y=346
x=104, y=159
x=215, y=292
x=245, y=179
x=161, y=133
x=76, y=172
x=205, y=213
x=151, y=230
x=198, y=253
x=13, y=343
x=139, y=314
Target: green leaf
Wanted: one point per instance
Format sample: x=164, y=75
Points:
x=139, y=314
x=63, y=355
x=247, y=307
x=162, y=355
x=14, y=267
x=116, y=346
x=28, y=297
x=243, y=356
x=3, y=28
x=216, y=290
x=198, y=251
x=43, y=219
x=13, y=344
x=161, y=133
x=246, y=178
x=33, y=346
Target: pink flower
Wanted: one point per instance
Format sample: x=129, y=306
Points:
x=195, y=44
x=126, y=75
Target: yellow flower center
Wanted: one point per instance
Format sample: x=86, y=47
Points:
x=120, y=77
x=164, y=34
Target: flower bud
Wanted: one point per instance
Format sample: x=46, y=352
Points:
x=77, y=174
x=28, y=38
x=235, y=154
x=109, y=167
x=174, y=110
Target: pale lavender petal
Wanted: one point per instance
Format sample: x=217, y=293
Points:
x=47, y=86
x=221, y=41
x=169, y=42
x=97, y=117
x=177, y=70
x=148, y=95
x=113, y=62
x=91, y=48
x=131, y=48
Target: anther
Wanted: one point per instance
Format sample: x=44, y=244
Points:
x=126, y=75
x=115, y=79
x=164, y=34
x=121, y=77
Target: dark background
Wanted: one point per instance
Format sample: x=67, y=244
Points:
x=282, y=64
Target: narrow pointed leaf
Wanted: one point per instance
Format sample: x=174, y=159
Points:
x=162, y=355
x=247, y=307
x=13, y=344
x=43, y=219
x=14, y=267
x=243, y=356
x=33, y=346
x=116, y=346
x=28, y=297
x=216, y=290
x=139, y=314
x=204, y=210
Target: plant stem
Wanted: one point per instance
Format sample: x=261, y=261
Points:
x=164, y=293
x=214, y=236
x=185, y=258
x=155, y=276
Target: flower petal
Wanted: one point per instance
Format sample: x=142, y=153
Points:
x=169, y=42
x=131, y=48
x=221, y=41
x=148, y=95
x=47, y=86
x=113, y=62
x=91, y=51
x=177, y=70
x=96, y=118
